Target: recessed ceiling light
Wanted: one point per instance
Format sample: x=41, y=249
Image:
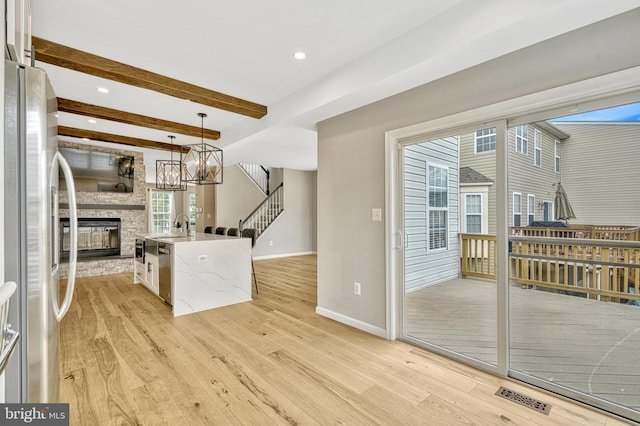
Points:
x=103, y=90
x=92, y=121
x=299, y=55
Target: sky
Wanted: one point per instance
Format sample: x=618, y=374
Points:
x=629, y=112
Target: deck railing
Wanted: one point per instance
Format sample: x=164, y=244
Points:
x=607, y=270
x=598, y=269
x=478, y=257
x=593, y=232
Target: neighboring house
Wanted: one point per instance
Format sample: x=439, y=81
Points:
x=544, y=153
x=600, y=163
x=535, y=155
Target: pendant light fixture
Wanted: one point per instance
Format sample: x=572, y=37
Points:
x=203, y=163
x=169, y=173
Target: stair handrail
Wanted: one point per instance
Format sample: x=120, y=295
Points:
x=252, y=171
x=273, y=194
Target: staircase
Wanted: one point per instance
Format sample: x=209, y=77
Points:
x=258, y=174
x=266, y=213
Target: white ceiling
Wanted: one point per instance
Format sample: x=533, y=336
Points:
x=358, y=51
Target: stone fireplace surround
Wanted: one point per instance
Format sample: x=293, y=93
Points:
x=129, y=207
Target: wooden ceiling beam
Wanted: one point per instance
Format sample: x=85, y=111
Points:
x=78, y=60
x=123, y=140
x=89, y=110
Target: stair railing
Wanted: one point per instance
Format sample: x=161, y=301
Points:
x=258, y=174
x=266, y=212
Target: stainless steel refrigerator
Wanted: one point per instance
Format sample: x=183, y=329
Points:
x=31, y=172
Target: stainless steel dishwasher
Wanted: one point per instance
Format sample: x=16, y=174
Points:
x=165, y=267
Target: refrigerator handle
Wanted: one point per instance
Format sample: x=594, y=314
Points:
x=61, y=311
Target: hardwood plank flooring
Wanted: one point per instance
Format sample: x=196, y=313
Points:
x=125, y=360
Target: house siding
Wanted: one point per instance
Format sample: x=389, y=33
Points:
x=423, y=266
x=528, y=179
x=484, y=163
x=600, y=172
x=525, y=177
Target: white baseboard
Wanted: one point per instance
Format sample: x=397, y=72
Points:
x=360, y=325
x=275, y=256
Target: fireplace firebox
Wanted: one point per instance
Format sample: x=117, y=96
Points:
x=97, y=237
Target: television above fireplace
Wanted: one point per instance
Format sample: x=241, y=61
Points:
x=96, y=171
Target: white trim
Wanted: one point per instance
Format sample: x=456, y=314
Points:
x=475, y=140
x=537, y=146
x=276, y=256
x=465, y=213
x=522, y=136
x=430, y=209
x=360, y=325
x=531, y=208
x=513, y=208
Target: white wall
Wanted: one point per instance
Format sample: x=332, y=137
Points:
x=351, y=155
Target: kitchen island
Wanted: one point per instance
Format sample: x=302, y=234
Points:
x=203, y=271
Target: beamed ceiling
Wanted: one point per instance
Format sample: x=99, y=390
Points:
x=163, y=63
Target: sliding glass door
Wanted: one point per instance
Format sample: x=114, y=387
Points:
x=449, y=241
x=573, y=282
x=520, y=250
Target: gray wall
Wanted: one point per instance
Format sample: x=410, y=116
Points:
x=294, y=231
x=351, y=153
x=236, y=197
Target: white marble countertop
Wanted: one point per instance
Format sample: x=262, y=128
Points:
x=207, y=270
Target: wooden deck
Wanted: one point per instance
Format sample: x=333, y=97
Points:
x=583, y=344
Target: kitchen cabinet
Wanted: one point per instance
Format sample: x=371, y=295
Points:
x=151, y=267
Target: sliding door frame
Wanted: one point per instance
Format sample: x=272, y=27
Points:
x=597, y=93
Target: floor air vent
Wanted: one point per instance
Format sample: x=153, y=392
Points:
x=527, y=401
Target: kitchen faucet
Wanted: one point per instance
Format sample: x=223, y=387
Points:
x=177, y=224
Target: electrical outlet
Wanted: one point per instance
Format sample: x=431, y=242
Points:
x=202, y=258
x=357, y=288
x=376, y=215
x=270, y=242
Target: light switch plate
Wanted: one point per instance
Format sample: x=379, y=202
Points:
x=376, y=215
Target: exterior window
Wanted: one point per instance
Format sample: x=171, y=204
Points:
x=517, y=209
x=161, y=210
x=485, y=140
x=537, y=142
x=192, y=209
x=473, y=213
x=438, y=207
x=557, y=155
x=547, y=213
x=521, y=139
x=531, y=209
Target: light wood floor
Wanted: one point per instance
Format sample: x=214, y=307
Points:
x=126, y=360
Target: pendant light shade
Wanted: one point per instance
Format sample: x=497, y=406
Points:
x=203, y=163
x=169, y=173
